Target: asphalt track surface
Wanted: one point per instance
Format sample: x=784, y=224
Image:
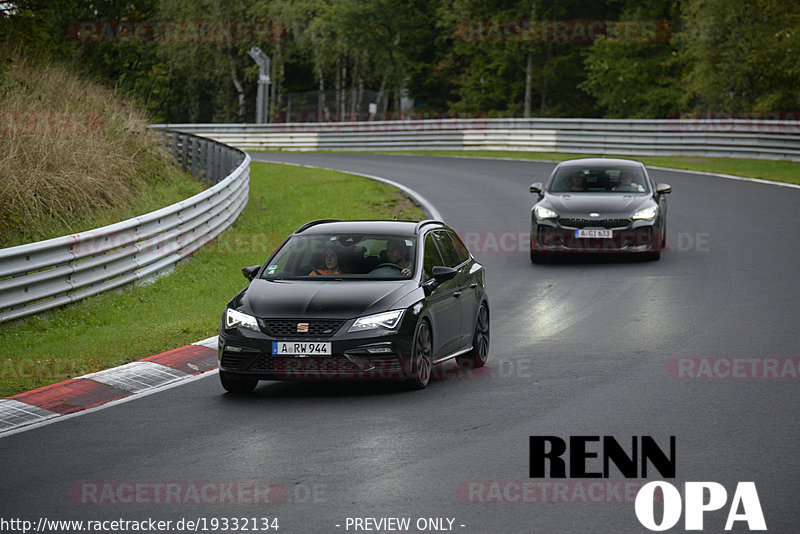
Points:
x=578, y=348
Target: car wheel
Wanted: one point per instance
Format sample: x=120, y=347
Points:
x=653, y=256
x=240, y=385
x=421, y=357
x=480, y=342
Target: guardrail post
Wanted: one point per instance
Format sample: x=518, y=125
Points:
x=174, y=146
x=184, y=152
x=217, y=161
x=194, y=156
x=204, y=160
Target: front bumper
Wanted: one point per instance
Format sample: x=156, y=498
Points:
x=554, y=238
x=371, y=355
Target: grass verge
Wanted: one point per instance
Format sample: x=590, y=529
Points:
x=74, y=155
x=114, y=328
x=775, y=170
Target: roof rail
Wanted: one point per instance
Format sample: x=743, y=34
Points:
x=308, y=225
x=420, y=224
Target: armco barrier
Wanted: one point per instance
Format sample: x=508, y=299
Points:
x=43, y=275
x=737, y=138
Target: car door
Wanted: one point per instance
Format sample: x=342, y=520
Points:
x=455, y=255
x=459, y=260
x=470, y=296
x=443, y=303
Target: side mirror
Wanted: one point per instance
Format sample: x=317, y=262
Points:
x=536, y=187
x=440, y=275
x=663, y=189
x=443, y=274
x=250, y=272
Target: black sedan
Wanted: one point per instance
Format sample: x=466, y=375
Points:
x=357, y=299
x=599, y=205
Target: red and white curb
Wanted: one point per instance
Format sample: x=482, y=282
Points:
x=91, y=391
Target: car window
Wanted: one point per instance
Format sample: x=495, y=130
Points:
x=447, y=249
x=576, y=179
x=460, y=247
x=431, y=259
x=356, y=256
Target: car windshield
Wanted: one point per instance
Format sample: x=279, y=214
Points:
x=577, y=179
x=344, y=256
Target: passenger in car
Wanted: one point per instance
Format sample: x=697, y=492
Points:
x=331, y=264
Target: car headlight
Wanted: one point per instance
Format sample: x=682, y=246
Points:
x=235, y=318
x=544, y=213
x=386, y=320
x=645, y=213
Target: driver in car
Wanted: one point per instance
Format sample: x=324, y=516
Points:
x=397, y=253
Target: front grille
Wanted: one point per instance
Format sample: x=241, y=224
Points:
x=594, y=223
x=280, y=365
x=622, y=240
x=330, y=367
x=287, y=328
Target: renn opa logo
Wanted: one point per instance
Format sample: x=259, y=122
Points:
x=699, y=498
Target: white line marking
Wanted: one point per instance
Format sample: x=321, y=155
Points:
x=210, y=342
x=59, y=418
x=728, y=176
x=137, y=377
x=555, y=162
x=14, y=413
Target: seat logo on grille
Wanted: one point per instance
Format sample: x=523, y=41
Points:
x=302, y=328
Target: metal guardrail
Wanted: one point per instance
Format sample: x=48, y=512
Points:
x=43, y=275
x=737, y=138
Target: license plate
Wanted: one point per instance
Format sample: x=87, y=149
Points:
x=594, y=233
x=300, y=348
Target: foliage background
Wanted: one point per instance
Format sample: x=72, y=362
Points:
x=331, y=58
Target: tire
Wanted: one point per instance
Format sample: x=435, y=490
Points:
x=421, y=362
x=240, y=385
x=652, y=256
x=480, y=342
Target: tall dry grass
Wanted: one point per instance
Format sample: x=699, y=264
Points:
x=69, y=148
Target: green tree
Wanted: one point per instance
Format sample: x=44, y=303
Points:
x=638, y=77
x=502, y=70
x=742, y=55
x=212, y=79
